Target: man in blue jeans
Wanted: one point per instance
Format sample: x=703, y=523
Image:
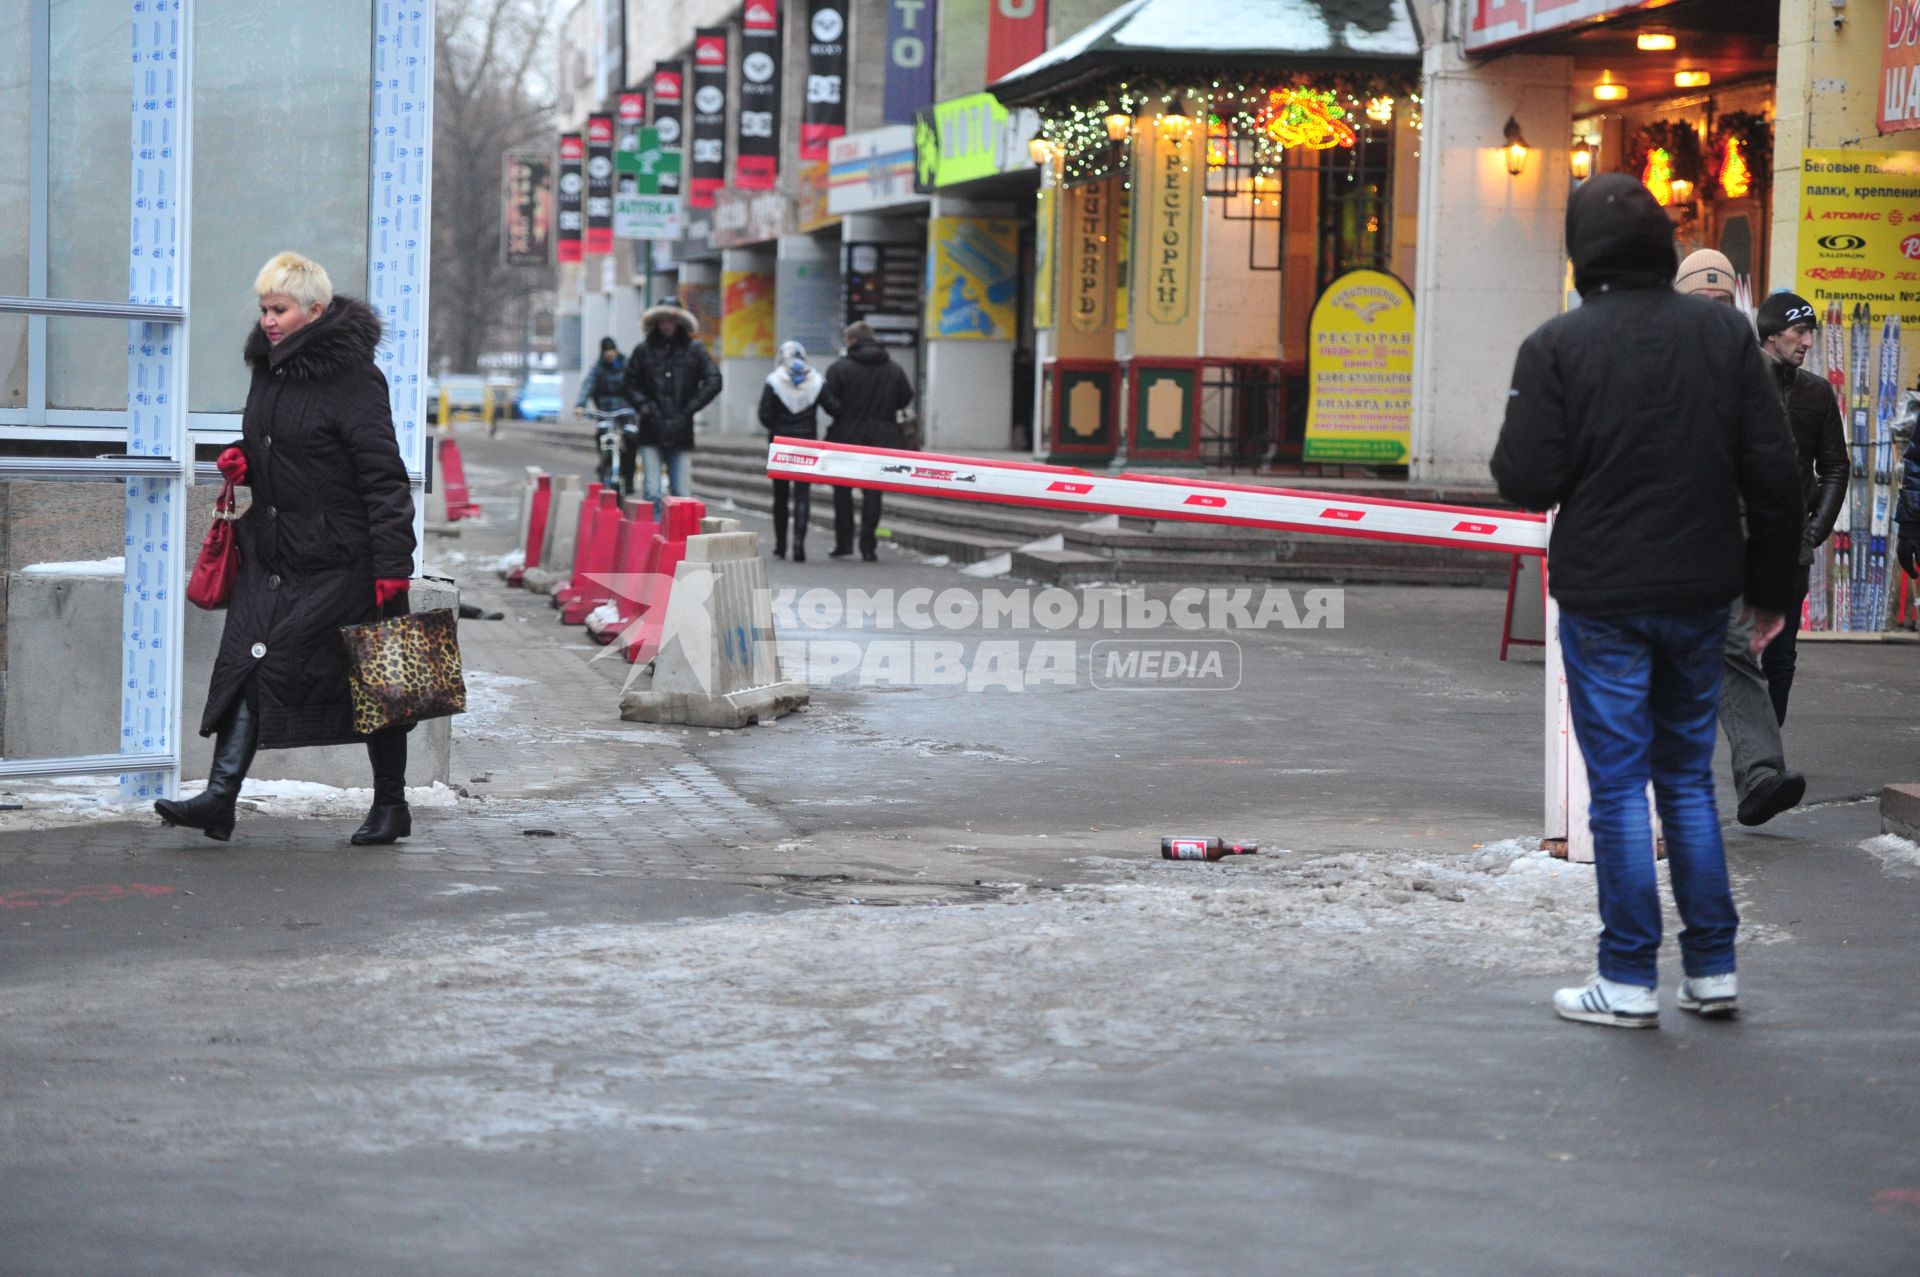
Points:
x=1648, y=417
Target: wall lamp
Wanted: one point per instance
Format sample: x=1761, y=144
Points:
x=1580, y=160
x=1516, y=148
x=1118, y=125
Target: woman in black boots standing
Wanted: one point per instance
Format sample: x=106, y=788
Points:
x=787, y=409
x=327, y=541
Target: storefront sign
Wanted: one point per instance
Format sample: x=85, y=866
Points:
x=870, y=170
x=669, y=97
x=1900, y=68
x=973, y=279
x=1084, y=303
x=1860, y=231
x=746, y=326
x=741, y=218
x=1165, y=264
x=526, y=228
x=646, y=204
x=758, y=128
x=1360, y=372
x=1495, y=22
x=573, y=184
x=1016, y=34
x=599, y=238
x=709, y=142
x=965, y=139
x=825, y=117
x=910, y=30
x=881, y=285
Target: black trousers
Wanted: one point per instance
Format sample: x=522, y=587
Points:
x=802, y=495
x=843, y=520
x=1781, y=655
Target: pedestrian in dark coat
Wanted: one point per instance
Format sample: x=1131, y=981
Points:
x=789, y=408
x=604, y=386
x=865, y=394
x=669, y=378
x=1648, y=418
x=327, y=541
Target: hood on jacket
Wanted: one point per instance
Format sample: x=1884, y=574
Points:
x=1619, y=236
x=345, y=334
x=799, y=395
x=868, y=352
x=650, y=322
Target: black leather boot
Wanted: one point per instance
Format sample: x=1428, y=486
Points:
x=211, y=811
x=389, y=820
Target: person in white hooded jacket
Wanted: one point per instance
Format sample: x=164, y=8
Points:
x=789, y=408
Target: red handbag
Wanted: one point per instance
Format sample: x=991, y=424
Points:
x=219, y=563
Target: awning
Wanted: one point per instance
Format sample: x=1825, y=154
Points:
x=1174, y=35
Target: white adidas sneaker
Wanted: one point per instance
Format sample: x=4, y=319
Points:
x=1604, y=1001
x=1711, y=995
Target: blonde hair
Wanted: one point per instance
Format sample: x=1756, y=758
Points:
x=300, y=278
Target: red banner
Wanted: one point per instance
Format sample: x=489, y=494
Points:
x=1900, y=68
x=573, y=184
x=1016, y=34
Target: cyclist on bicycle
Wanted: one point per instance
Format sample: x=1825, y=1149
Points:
x=604, y=388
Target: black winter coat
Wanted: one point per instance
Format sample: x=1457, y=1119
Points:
x=1819, y=449
x=1647, y=416
x=669, y=379
x=776, y=418
x=331, y=513
x=604, y=386
x=864, y=395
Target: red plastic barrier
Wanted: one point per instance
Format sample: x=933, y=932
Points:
x=536, y=529
x=453, y=477
x=590, y=570
x=670, y=549
x=582, y=538
x=631, y=563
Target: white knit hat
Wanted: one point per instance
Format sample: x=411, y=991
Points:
x=1705, y=268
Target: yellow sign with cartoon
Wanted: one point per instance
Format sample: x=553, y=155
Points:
x=973, y=279
x=1360, y=373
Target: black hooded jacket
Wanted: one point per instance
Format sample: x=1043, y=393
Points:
x=669, y=379
x=331, y=513
x=864, y=395
x=1819, y=448
x=1648, y=416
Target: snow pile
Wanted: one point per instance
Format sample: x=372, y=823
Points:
x=506, y=563
x=1898, y=857
x=75, y=800
x=87, y=567
x=604, y=617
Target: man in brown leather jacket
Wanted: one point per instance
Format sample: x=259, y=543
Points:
x=1753, y=702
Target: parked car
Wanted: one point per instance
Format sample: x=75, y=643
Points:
x=540, y=398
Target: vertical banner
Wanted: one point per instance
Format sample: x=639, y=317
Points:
x=599, y=237
x=1360, y=371
x=1016, y=33
x=1084, y=300
x=825, y=117
x=1165, y=266
x=629, y=117
x=973, y=279
x=709, y=169
x=746, y=309
x=758, y=165
x=1900, y=69
x=1046, y=216
x=669, y=99
x=573, y=181
x=910, y=33
x=526, y=227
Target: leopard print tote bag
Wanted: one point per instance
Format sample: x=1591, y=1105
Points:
x=404, y=669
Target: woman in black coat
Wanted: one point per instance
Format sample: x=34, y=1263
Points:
x=327, y=541
x=789, y=409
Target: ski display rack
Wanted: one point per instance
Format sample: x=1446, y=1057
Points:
x=1856, y=590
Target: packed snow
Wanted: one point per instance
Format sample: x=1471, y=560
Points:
x=83, y=567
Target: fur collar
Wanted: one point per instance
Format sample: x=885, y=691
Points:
x=689, y=326
x=798, y=397
x=344, y=335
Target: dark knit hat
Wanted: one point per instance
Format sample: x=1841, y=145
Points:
x=1782, y=311
x=608, y=343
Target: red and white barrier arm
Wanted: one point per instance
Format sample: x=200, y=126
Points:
x=1158, y=497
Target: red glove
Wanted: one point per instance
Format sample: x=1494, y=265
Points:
x=385, y=590
x=233, y=464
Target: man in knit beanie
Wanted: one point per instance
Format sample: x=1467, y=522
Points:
x=1706, y=273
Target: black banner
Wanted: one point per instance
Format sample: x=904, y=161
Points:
x=573, y=158
x=669, y=107
x=709, y=167
x=758, y=132
x=826, y=113
x=526, y=227
x=600, y=183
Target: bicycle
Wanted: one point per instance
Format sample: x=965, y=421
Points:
x=617, y=434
